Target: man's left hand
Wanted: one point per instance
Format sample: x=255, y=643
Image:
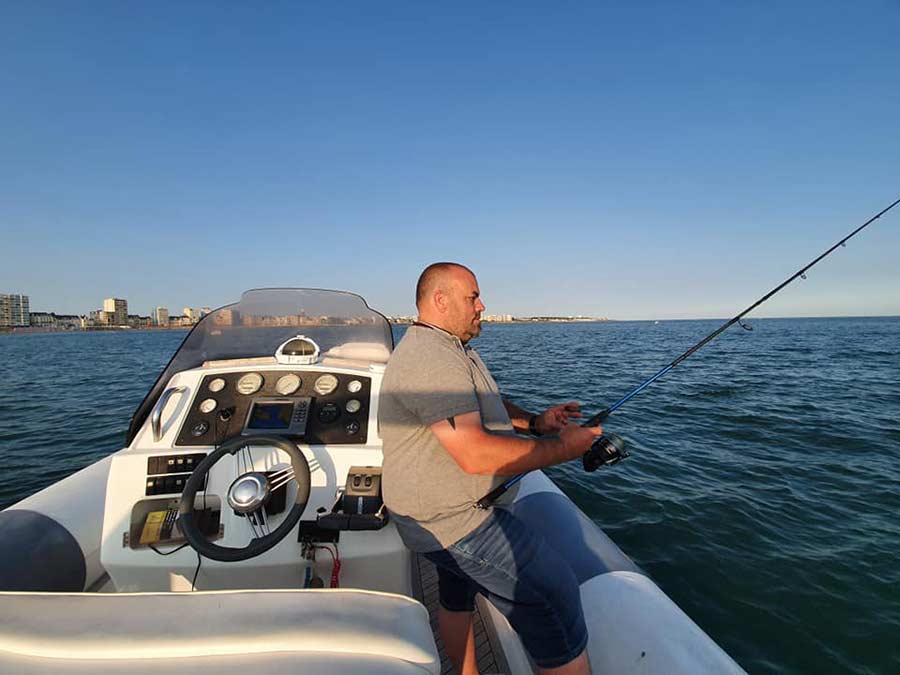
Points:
x=554, y=419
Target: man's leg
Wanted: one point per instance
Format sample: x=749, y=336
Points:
x=580, y=665
x=456, y=594
x=458, y=634
x=532, y=585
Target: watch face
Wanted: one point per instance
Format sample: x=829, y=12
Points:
x=354, y=386
x=325, y=385
x=249, y=383
x=353, y=406
x=287, y=384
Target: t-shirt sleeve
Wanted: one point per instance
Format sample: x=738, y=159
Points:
x=442, y=389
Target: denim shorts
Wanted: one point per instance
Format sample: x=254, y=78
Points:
x=524, y=578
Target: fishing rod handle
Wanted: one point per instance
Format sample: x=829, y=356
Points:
x=599, y=418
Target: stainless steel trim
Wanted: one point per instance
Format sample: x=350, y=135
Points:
x=156, y=416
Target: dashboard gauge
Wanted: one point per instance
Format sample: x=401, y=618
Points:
x=353, y=406
x=249, y=383
x=354, y=386
x=217, y=384
x=208, y=405
x=287, y=384
x=325, y=385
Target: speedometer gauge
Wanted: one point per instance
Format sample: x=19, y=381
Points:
x=249, y=383
x=287, y=384
x=325, y=385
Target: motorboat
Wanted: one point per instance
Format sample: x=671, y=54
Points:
x=242, y=529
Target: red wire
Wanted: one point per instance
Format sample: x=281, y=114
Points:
x=335, y=567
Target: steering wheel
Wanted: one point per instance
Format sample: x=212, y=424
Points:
x=247, y=495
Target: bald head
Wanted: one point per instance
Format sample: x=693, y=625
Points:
x=437, y=276
x=447, y=296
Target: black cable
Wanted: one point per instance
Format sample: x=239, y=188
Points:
x=174, y=550
x=196, y=572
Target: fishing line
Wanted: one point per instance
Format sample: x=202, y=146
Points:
x=610, y=448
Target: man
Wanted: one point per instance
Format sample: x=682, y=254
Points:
x=449, y=438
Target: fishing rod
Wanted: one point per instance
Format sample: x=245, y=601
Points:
x=610, y=448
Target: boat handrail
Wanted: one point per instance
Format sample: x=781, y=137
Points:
x=156, y=416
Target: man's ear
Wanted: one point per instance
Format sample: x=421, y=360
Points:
x=440, y=300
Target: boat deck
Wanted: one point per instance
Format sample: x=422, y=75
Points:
x=487, y=650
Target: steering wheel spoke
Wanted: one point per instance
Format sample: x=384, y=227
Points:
x=245, y=460
x=259, y=524
x=279, y=479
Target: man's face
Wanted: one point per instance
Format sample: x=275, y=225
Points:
x=464, y=306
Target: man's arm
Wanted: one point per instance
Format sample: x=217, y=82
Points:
x=478, y=451
x=550, y=421
x=518, y=416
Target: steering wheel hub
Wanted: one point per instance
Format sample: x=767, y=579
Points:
x=249, y=492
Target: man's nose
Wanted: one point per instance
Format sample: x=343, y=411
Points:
x=479, y=305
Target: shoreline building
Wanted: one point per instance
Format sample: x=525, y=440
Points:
x=43, y=320
x=161, y=317
x=116, y=311
x=14, y=311
x=139, y=322
x=98, y=318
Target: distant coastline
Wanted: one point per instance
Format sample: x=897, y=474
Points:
x=40, y=330
x=407, y=320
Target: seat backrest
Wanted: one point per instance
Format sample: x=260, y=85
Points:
x=132, y=627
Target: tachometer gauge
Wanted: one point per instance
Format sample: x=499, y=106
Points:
x=354, y=386
x=325, y=385
x=249, y=383
x=287, y=384
x=217, y=384
x=353, y=406
x=208, y=405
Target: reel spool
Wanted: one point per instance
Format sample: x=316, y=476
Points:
x=608, y=449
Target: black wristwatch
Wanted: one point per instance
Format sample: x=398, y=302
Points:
x=532, y=426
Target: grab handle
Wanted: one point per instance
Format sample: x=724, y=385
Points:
x=156, y=417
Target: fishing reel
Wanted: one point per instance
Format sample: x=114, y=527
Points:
x=606, y=450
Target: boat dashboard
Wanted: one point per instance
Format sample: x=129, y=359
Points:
x=315, y=407
x=276, y=417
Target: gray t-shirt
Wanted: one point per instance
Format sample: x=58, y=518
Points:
x=431, y=376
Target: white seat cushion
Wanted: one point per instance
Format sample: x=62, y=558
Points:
x=359, y=631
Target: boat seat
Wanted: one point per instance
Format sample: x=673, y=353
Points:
x=272, y=631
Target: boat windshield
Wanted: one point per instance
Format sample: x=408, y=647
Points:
x=266, y=318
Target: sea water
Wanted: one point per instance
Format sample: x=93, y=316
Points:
x=762, y=493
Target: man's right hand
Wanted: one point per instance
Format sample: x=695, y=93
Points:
x=577, y=439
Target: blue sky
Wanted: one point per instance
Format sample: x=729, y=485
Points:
x=630, y=160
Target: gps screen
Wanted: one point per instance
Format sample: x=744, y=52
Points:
x=270, y=416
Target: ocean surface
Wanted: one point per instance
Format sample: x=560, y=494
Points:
x=763, y=491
